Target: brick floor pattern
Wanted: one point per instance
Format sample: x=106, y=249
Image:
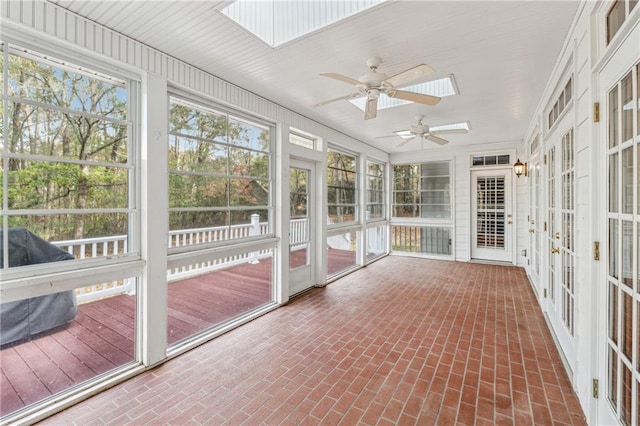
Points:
x=402, y=341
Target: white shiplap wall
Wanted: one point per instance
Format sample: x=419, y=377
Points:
x=31, y=21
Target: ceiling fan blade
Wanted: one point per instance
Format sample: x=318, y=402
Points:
x=341, y=77
x=449, y=131
x=371, y=111
x=414, y=97
x=437, y=140
x=406, y=141
x=349, y=96
x=406, y=77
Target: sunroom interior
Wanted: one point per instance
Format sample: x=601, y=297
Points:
x=174, y=170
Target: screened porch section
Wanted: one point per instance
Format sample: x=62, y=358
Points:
x=102, y=336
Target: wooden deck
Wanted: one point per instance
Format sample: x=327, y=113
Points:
x=102, y=336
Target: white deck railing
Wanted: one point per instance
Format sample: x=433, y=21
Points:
x=98, y=247
x=298, y=233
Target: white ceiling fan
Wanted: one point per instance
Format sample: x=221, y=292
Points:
x=374, y=83
x=422, y=131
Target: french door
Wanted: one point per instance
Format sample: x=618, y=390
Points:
x=623, y=250
x=560, y=242
x=492, y=217
x=535, y=220
x=301, y=226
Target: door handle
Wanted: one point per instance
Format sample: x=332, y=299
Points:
x=555, y=249
x=531, y=231
x=557, y=235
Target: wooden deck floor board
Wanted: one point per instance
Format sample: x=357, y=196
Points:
x=84, y=350
x=120, y=314
x=53, y=378
x=26, y=384
x=8, y=394
x=66, y=361
x=104, y=329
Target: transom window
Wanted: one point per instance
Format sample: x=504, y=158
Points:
x=561, y=103
x=490, y=160
x=617, y=15
x=302, y=140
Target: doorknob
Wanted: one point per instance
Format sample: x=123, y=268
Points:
x=557, y=235
x=531, y=231
x=509, y=222
x=555, y=249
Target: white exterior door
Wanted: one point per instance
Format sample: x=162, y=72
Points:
x=301, y=226
x=560, y=242
x=535, y=221
x=620, y=368
x=491, y=215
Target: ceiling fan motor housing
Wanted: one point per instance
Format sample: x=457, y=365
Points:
x=373, y=93
x=373, y=79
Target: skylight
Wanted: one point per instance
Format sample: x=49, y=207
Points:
x=276, y=21
x=441, y=88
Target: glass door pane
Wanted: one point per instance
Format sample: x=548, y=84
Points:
x=299, y=218
x=623, y=251
x=490, y=214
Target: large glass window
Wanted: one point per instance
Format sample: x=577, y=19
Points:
x=66, y=196
x=342, y=195
x=54, y=342
x=202, y=295
x=422, y=208
x=422, y=190
x=67, y=157
x=219, y=192
x=219, y=175
x=376, y=196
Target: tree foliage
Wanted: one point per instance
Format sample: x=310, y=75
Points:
x=69, y=151
x=61, y=124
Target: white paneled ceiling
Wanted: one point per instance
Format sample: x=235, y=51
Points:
x=500, y=52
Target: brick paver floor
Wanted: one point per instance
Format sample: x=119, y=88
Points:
x=402, y=341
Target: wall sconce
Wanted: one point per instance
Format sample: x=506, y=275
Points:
x=520, y=168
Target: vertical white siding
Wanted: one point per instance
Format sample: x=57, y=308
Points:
x=462, y=185
x=585, y=197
